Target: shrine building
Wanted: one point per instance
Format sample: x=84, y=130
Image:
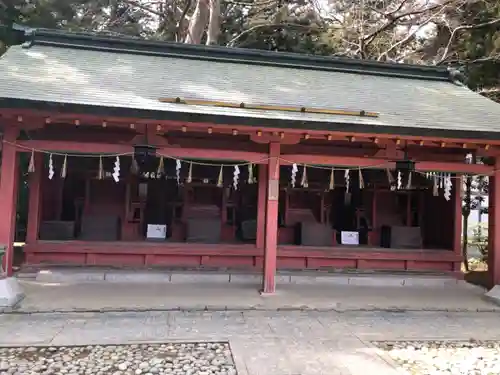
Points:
x=145, y=154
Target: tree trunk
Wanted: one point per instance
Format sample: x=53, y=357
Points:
x=213, y=22
x=198, y=22
x=465, y=238
x=466, y=208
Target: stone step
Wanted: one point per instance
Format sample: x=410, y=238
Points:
x=81, y=275
x=11, y=292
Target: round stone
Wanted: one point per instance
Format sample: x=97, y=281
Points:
x=445, y=358
x=123, y=366
x=179, y=358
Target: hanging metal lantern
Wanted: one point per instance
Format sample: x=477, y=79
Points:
x=404, y=169
x=405, y=166
x=143, y=153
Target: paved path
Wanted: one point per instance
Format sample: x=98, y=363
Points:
x=146, y=297
x=263, y=342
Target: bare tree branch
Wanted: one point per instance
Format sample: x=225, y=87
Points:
x=232, y=42
x=143, y=7
x=180, y=23
x=410, y=35
x=252, y=3
x=487, y=59
x=393, y=18
x=458, y=29
x=399, y=7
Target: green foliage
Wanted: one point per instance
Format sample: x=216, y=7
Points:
x=480, y=240
x=476, y=49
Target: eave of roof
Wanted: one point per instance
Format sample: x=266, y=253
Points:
x=96, y=42
x=228, y=119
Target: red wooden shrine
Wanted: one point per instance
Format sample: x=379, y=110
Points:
x=268, y=221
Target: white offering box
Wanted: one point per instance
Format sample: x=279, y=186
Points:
x=156, y=232
x=349, y=238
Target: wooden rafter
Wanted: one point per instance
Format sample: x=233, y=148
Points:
x=268, y=107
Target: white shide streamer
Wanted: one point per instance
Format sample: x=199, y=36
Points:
x=236, y=176
x=178, y=166
x=116, y=170
x=295, y=169
x=51, y=167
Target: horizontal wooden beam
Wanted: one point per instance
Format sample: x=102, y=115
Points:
x=193, y=153
x=344, y=161
x=107, y=148
x=142, y=247
x=256, y=157
x=75, y=147
x=90, y=118
x=365, y=162
x=234, y=250
x=436, y=166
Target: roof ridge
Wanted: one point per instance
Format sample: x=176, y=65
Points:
x=132, y=45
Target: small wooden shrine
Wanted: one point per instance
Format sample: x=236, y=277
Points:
x=160, y=154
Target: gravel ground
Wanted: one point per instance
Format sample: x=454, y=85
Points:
x=150, y=359
x=445, y=358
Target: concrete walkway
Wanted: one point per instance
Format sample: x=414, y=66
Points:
x=106, y=296
x=262, y=342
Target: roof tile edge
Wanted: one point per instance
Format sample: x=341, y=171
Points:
x=131, y=45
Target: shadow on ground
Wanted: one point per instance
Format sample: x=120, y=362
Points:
x=480, y=278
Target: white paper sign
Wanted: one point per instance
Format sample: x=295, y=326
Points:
x=156, y=232
x=349, y=238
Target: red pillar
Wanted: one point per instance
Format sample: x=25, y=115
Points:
x=35, y=195
x=8, y=195
x=457, y=222
x=374, y=237
x=261, y=206
x=494, y=225
x=271, y=237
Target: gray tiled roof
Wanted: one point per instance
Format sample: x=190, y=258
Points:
x=131, y=80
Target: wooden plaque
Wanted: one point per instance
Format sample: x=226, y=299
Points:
x=273, y=190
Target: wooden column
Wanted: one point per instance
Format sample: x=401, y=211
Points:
x=261, y=206
x=271, y=240
x=35, y=200
x=457, y=219
x=8, y=195
x=494, y=225
x=374, y=238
